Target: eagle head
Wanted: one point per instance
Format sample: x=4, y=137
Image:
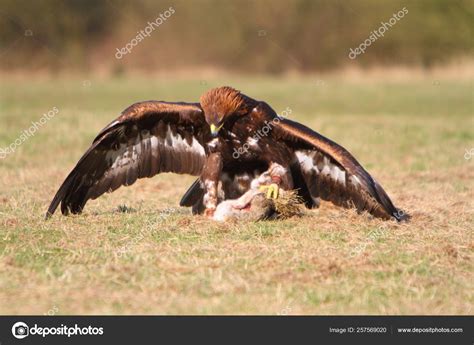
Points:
x=218, y=104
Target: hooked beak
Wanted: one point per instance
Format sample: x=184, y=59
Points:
x=215, y=130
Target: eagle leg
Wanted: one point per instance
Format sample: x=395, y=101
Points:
x=277, y=176
x=210, y=179
x=281, y=175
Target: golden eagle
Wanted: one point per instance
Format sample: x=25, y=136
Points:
x=216, y=140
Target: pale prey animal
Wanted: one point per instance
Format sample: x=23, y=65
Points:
x=253, y=205
x=205, y=139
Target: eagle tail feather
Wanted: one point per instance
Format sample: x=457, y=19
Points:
x=193, y=194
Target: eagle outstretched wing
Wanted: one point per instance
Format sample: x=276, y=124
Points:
x=325, y=170
x=146, y=139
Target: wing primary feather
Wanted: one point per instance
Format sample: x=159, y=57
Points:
x=323, y=178
x=145, y=140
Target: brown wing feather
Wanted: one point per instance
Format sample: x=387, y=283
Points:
x=146, y=139
x=332, y=173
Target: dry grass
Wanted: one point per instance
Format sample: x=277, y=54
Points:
x=150, y=260
x=289, y=204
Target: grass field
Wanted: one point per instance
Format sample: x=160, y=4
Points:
x=155, y=258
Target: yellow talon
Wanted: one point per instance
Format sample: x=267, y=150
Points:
x=272, y=190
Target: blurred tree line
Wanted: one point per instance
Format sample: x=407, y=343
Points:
x=242, y=35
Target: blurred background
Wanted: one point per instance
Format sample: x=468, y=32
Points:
x=264, y=36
